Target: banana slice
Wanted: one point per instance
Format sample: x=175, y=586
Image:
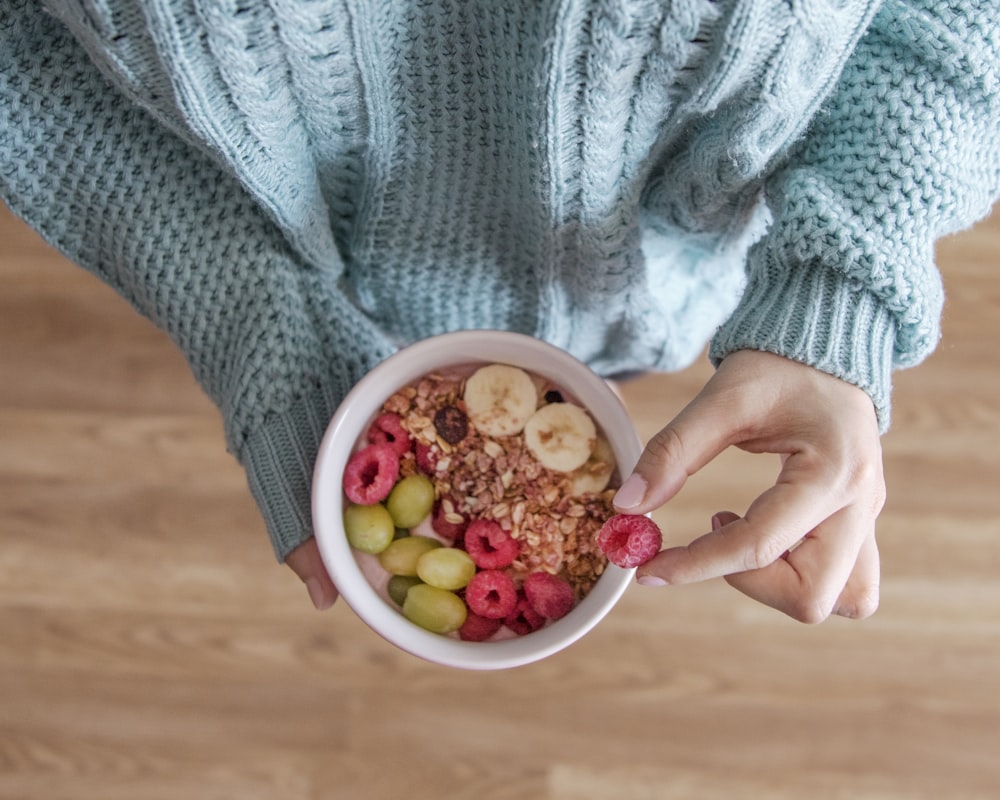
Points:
x=561, y=436
x=500, y=399
x=595, y=474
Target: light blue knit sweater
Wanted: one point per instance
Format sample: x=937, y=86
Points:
x=291, y=189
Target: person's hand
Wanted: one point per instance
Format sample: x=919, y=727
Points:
x=806, y=546
x=305, y=561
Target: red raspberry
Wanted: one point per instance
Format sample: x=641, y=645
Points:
x=370, y=474
x=388, y=429
x=629, y=540
x=490, y=546
x=477, y=628
x=523, y=619
x=452, y=531
x=550, y=596
x=491, y=594
x=426, y=458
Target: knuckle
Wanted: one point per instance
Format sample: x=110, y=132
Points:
x=879, y=497
x=666, y=445
x=864, y=478
x=859, y=475
x=810, y=608
x=862, y=606
x=867, y=604
x=860, y=483
x=765, y=551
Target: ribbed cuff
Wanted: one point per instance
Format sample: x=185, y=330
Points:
x=279, y=458
x=819, y=317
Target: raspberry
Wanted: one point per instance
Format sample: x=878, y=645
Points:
x=629, y=540
x=550, y=596
x=451, y=424
x=388, y=429
x=426, y=456
x=477, y=628
x=370, y=474
x=490, y=546
x=491, y=594
x=523, y=619
x=452, y=531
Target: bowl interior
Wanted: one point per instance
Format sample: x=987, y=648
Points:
x=352, y=420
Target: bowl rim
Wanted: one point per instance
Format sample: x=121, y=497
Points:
x=352, y=418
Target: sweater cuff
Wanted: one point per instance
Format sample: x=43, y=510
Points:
x=279, y=457
x=819, y=317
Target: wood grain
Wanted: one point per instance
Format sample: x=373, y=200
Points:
x=151, y=648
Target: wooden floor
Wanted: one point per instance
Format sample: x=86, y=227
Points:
x=151, y=648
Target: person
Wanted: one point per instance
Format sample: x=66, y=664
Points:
x=292, y=190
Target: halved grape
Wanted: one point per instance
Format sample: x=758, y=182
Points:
x=446, y=568
x=411, y=500
x=434, y=609
x=368, y=528
x=399, y=585
x=401, y=556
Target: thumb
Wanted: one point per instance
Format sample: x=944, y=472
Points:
x=305, y=561
x=693, y=438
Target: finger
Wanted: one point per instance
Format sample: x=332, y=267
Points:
x=646, y=575
x=860, y=597
x=723, y=518
x=305, y=561
x=807, y=582
x=693, y=438
x=776, y=521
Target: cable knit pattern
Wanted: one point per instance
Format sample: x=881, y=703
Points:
x=899, y=157
x=292, y=189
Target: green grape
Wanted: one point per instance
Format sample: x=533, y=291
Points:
x=401, y=556
x=434, y=609
x=411, y=500
x=446, y=568
x=399, y=585
x=368, y=528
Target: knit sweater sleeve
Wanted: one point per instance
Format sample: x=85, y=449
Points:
x=270, y=337
x=904, y=151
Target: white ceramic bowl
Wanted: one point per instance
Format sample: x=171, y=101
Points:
x=351, y=422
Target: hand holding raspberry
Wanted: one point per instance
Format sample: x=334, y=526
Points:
x=806, y=546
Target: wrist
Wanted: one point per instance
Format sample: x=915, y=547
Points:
x=820, y=318
x=278, y=457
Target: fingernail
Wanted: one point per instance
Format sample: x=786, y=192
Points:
x=631, y=493
x=716, y=522
x=319, y=598
x=651, y=580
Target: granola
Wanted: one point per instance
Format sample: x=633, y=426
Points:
x=498, y=478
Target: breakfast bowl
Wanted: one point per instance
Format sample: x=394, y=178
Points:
x=498, y=452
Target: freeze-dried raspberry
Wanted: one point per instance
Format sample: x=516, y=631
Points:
x=426, y=456
x=477, y=628
x=370, y=474
x=629, y=540
x=452, y=424
x=447, y=528
x=491, y=594
x=523, y=619
x=388, y=429
x=550, y=596
x=490, y=546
